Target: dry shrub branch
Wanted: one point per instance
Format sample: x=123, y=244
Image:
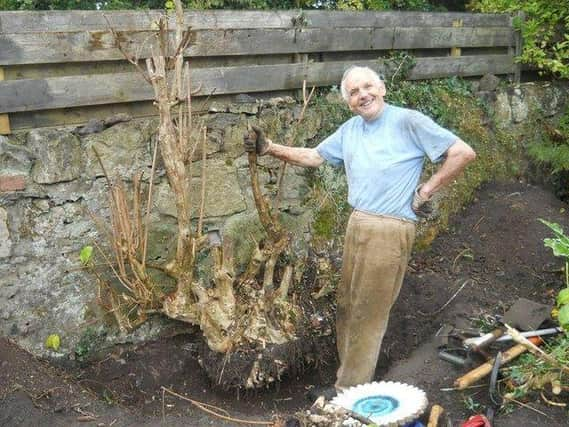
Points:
x=247, y=312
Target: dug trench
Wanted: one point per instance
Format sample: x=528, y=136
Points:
x=491, y=255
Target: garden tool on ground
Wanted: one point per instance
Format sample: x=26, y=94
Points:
x=486, y=368
x=493, y=392
x=450, y=346
x=523, y=315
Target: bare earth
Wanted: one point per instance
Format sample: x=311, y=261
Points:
x=496, y=244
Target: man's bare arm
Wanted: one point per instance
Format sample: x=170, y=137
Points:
x=457, y=157
x=299, y=156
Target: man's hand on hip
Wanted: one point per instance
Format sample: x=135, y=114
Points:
x=422, y=205
x=256, y=141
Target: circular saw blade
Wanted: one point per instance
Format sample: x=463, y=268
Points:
x=386, y=403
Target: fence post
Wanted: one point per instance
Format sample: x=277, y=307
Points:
x=456, y=51
x=518, y=46
x=4, y=119
x=300, y=58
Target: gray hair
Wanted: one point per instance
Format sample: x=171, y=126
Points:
x=348, y=71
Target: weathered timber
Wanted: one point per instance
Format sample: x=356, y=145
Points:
x=4, y=119
x=13, y=22
x=79, y=115
x=79, y=46
x=462, y=66
x=73, y=91
x=518, y=47
x=455, y=50
x=42, y=71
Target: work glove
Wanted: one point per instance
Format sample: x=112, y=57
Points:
x=256, y=141
x=423, y=207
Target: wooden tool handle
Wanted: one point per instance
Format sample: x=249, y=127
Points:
x=436, y=412
x=485, y=369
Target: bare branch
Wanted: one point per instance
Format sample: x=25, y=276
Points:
x=272, y=227
x=203, y=186
x=536, y=350
x=133, y=59
x=149, y=205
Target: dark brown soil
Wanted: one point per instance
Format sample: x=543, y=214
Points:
x=496, y=244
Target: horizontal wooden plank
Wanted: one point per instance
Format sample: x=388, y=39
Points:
x=74, y=91
x=463, y=66
x=41, y=71
x=13, y=22
x=433, y=38
x=79, y=115
x=84, y=46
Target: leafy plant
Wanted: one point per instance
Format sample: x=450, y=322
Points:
x=560, y=246
x=420, y=5
x=397, y=66
x=86, y=254
x=554, y=147
x=529, y=372
x=89, y=342
x=545, y=31
x=550, y=150
x=79, y=4
x=53, y=341
x=472, y=405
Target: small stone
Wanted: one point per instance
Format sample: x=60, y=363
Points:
x=216, y=107
x=92, y=126
x=14, y=157
x=244, y=98
x=117, y=118
x=5, y=242
x=58, y=155
x=489, y=83
x=41, y=204
x=12, y=183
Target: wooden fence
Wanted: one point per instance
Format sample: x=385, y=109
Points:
x=61, y=68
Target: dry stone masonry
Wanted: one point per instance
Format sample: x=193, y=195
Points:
x=54, y=201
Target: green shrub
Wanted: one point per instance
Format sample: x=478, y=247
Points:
x=553, y=148
x=550, y=149
x=545, y=31
x=559, y=244
x=419, y=5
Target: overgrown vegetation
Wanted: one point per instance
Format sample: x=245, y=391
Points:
x=79, y=4
x=559, y=244
x=530, y=373
x=551, y=150
x=423, y=5
x=545, y=31
x=418, y=5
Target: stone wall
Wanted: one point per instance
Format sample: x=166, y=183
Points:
x=53, y=202
x=514, y=106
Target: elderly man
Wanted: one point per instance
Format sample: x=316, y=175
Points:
x=382, y=149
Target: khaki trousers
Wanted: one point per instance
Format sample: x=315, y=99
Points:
x=376, y=253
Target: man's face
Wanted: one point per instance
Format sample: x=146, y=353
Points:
x=365, y=94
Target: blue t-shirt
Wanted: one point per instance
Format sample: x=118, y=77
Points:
x=384, y=158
